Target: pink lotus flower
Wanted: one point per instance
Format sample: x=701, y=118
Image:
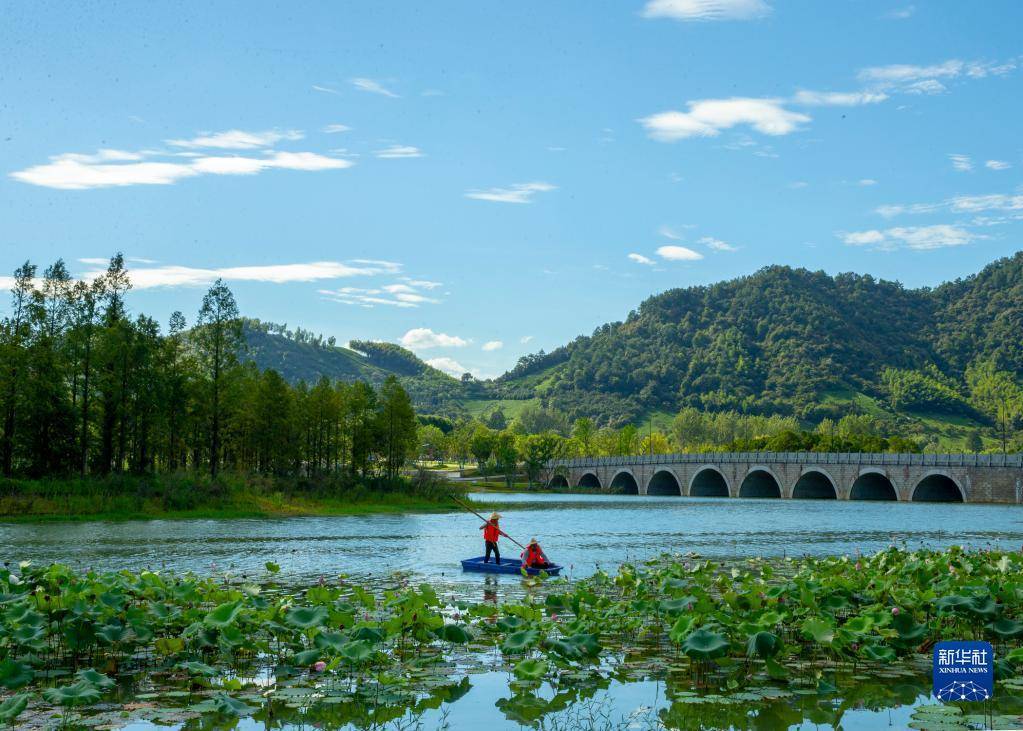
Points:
x=858, y=566
x=554, y=617
x=895, y=611
x=319, y=667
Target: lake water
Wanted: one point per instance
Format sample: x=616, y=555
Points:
x=581, y=532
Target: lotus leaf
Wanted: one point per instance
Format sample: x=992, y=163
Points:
x=224, y=615
x=97, y=679
x=704, y=644
x=1006, y=628
x=763, y=644
x=531, y=669
x=820, y=630
x=357, y=651
x=82, y=693
x=12, y=707
x=306, y=617
x=14, y=675
x=520, y=641
x=454, y=633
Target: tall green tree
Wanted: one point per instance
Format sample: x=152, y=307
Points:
x=218, y=338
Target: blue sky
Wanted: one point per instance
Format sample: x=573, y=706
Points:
x=482, y=180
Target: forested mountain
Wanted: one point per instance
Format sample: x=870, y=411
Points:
x=298, y=356
x=788, y=341
x=780, y=341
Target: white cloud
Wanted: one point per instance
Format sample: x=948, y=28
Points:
x=997, y=165
x=717, y=244
x=962, y=163
x=399, y=151
x=173, y=275
x=707, y=117
x=697, y=10
x=335, y=128
x=423, y=338
x=678, y=253
x=422, y=283
x=838, y=98
x=901, y=13
x=116, y=168
x=866, y=181
x=236, y=139
x=525, y=339
x=449, y=365
x=640, y=259
x=957, y=204
x=325, y=89
x=374, y=87
x=914, y=79
x=919, y=238
x=492, y=345
x=517, y=193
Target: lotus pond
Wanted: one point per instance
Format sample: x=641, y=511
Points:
x=673, y=642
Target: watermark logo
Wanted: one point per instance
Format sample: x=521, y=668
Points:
x=964, y=671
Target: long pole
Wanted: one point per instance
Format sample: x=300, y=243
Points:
x=487, y=521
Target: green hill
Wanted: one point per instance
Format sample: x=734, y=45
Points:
x=782, y=340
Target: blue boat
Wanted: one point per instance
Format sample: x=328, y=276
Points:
x=507, y=566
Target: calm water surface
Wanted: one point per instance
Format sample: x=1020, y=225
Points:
x=579, y=531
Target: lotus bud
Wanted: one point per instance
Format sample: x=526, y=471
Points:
x=319, y=666
x=895, y=611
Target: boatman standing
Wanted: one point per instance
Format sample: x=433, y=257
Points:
x=491, y=532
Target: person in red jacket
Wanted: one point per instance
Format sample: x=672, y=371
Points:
x=534, y=557
x=491, y=532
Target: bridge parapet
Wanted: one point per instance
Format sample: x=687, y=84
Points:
x=993, y=478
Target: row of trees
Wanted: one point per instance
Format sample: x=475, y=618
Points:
x=86, y=388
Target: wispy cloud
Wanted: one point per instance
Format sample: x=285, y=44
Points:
x=640, y=259
x=174, y=275
x=678, y=253
x=405, y=293
x=706, y=10
x=395, y=152
x=325, y=89
x=236, y=139
x=423, y=338
x=517, y=193
x=335, y=128
x=913, y=79
x=962, y=163
x=901, y=13
x=525, y=339
x=669, y=232
x=717, y=244
x=918, y=238
x=448, y=365
x=957, y=204
x=373, y=87
x=492, y=345
x=115, y=168
x=866, y=181
x=997, y=165
x=838, y=98
x=708, y=117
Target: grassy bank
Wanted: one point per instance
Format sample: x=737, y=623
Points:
x=182, y=496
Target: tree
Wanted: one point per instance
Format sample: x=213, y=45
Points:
x=997, y=394
x=582, y=432
x=537, y=451
x=506, y=455
x=397, y=426
x=16, y=331
x=481, y=446
x=218, y=337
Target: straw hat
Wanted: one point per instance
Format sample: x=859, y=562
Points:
x=495, y=516
x=532, y=541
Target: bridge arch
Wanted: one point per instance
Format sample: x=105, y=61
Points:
x=938, y=487
x=590, y=480
x=624, y=483
x=558, y=481
x=873, y=485
x=760, y=482
x=664, y=482
x=815, y=484
x=709, y=481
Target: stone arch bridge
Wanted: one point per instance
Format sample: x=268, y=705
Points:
x=810, y=475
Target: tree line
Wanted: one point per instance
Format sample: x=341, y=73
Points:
x=88, y=389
